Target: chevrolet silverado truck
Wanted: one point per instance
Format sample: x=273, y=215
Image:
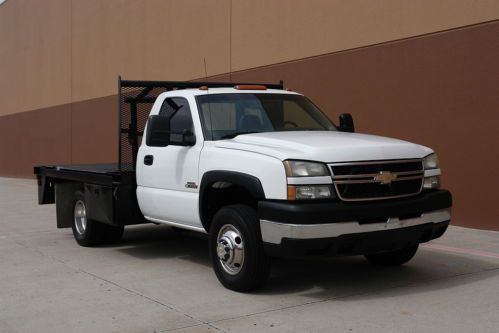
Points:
x=258, y=168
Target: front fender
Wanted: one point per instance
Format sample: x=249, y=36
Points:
x=248, y=182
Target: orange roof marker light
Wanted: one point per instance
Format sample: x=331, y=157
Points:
x=203, y=88
x=250, y=87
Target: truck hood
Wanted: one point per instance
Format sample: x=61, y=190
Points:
x=325, y=146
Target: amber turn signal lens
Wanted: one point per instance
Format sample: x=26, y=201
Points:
x=291, y=193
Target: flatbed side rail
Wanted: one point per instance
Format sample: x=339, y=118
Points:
x=135, y=99
x=77, y=176
x=48, y=176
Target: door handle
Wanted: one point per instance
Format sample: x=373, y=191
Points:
x=148, y=159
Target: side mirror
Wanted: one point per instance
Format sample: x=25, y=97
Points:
x=346, y=123
x=185, y=138
x=158, y=131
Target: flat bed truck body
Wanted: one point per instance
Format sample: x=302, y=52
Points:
x=110, y=193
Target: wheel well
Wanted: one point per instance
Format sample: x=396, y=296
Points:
x=220, y=194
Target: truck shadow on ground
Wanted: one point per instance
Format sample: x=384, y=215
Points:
x=318, y=277
x=344, y=277
x=155, y=242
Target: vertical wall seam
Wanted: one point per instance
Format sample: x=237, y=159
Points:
x=230, y=40
x=71, y=82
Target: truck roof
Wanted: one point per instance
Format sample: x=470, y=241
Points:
x=198, y=92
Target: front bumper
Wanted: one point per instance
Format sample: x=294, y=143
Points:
x=358, y=243
x=292, y=229
x=274, y=232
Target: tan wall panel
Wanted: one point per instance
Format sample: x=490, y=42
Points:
x=146, y=40
x=34, y=54
x=57, y=51
x=266, y=32
x=40, y=137
x=94, y=131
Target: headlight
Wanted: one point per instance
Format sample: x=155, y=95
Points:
x=306, y=192
x=303, y=189
x=431, y=162
x=431, y=181
x=305, y=169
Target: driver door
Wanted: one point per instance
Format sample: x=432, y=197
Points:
x=169, y=188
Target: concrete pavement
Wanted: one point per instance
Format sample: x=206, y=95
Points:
x=159, y=280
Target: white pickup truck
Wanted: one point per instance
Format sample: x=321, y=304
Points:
x=258, y=168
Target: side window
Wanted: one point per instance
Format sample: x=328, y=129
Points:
x=177, y=109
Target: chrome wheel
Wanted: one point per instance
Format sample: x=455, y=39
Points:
x=80, y=217
x=230, y=249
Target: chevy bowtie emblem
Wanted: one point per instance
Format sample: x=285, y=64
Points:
x=385, y=177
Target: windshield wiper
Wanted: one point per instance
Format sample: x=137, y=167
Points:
x=233, y=135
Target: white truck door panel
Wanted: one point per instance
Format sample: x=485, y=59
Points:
x=164, y=194
x=168, y=190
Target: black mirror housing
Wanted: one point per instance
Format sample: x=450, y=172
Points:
x=346, y=123
x=158, y=131
x=160, y=135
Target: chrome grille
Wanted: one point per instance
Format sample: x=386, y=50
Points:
x=360, y=181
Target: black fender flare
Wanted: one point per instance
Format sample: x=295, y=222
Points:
x=251, y=183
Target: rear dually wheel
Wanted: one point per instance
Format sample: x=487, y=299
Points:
x=88, y=232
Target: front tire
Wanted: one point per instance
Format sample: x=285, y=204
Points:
x=393, y=258
x=236, y=249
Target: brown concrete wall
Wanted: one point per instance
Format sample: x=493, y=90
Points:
x=94, y=135
x=54, y=52
x=146, y=40
x=82, y=132
x=35, y=54
x=29, y=138
x=267, y=32
x=439, y=90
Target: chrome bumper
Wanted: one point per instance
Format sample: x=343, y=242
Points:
x=274, y=232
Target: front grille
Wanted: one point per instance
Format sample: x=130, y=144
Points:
x=377, y=180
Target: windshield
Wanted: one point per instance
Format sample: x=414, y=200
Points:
x=225, y=116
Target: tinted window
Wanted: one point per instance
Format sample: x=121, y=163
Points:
x=227, y=115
